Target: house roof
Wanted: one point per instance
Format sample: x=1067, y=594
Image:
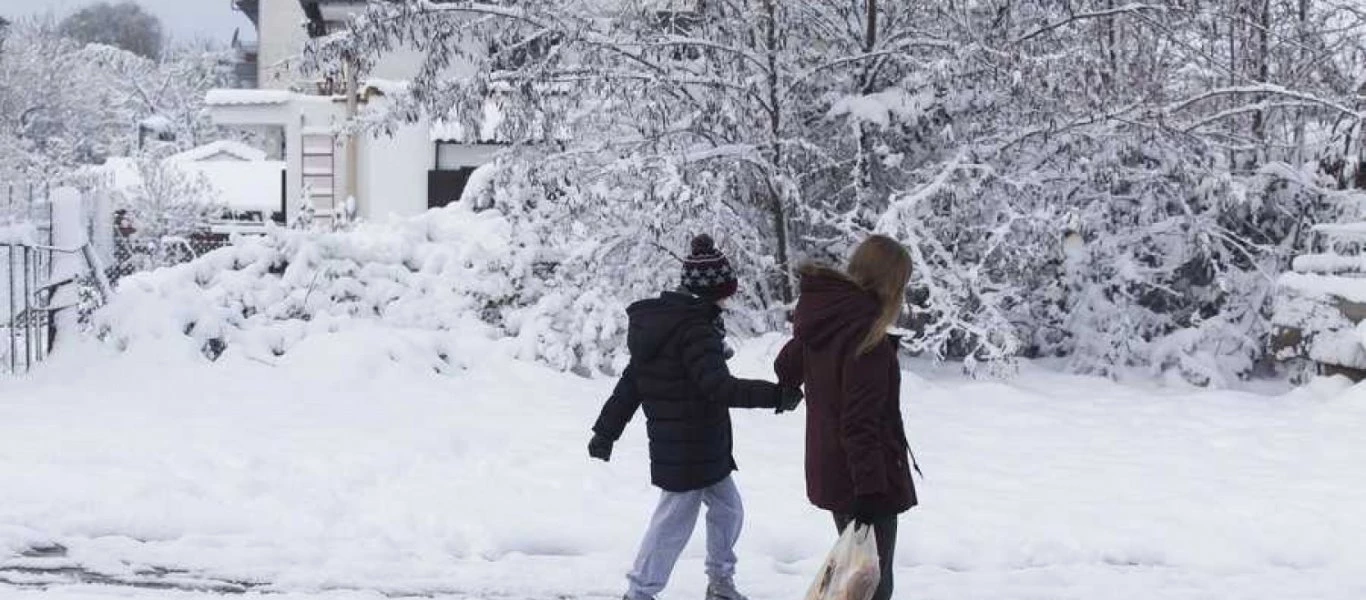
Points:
x=317, y=21
x=235, y=150
x=251, y=8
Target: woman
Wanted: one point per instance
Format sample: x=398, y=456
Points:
x=856, y=449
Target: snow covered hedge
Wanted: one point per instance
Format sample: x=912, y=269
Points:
x=452, y=270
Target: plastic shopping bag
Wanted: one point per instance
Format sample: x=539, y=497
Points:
x=851, y=572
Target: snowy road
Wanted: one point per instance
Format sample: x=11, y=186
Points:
x=337, y=474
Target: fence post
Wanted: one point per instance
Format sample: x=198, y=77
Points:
x=102, y=224
x=13, y=308
x=68, y=235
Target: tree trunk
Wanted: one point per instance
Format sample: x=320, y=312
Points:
x=1263, y=59
x=1109, y=77
x=863, y=162
x=1305, y=57
x=777, y=200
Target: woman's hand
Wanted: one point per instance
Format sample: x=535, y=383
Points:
x=788, y=399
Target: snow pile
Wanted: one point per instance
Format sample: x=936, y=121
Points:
x=444, y=275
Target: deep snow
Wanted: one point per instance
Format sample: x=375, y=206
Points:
x=341, y=473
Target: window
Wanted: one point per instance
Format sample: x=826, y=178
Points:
x=446, y=186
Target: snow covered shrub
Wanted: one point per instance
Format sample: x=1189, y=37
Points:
x=164, y=209
x=525, y=268
x=263, y=295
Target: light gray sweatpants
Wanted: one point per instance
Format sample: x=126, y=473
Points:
x=672, y=526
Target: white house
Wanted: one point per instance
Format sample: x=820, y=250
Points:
x=299, y=120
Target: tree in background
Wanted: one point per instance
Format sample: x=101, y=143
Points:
x=124, y=25
x=65, y=105
x=1111, y=182
x=52, y=119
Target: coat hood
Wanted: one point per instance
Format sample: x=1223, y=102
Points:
x=832, y=307
x=654, y=322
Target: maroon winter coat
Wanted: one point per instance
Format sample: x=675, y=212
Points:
x=855, y=440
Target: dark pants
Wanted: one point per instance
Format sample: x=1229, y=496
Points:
x=884, y=530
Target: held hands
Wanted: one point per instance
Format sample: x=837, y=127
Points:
x=600, y=448
x=788, y=399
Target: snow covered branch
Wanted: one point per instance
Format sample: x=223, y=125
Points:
x=1098, y=14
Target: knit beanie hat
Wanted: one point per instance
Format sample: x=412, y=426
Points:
x=707, y=272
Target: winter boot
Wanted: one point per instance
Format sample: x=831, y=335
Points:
x=724, y=589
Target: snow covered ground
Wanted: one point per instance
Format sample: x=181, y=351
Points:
x=338, y=473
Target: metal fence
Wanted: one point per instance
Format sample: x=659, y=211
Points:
x=132, y=254
x=34, y=295
x=30, y=314
x=27, y=203
x=27, y=330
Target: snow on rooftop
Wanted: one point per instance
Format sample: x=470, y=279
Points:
x=157, y=123
x=1329, y=263
x=1325, y=286
x=224, y=148
x=389, y=87
x=241, y=184
x=1342, y=230
x=225, y=97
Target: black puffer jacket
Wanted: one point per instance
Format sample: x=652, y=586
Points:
x=678, y=373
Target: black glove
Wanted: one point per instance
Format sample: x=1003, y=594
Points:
x=600, y=448
x=788, y=399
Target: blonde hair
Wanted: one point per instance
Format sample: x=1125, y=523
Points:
x=881, y=265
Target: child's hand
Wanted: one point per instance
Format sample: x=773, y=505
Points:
x=788, y=399
x=600, y=448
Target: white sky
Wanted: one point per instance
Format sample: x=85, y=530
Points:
x=183, y=19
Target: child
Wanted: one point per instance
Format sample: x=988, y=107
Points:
x=856, y=446
x=678, y=372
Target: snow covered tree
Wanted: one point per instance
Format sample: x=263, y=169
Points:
x=64, y=105
x=1112, y=182
x=124, y=25
x=171, y=90
x=51, y=118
